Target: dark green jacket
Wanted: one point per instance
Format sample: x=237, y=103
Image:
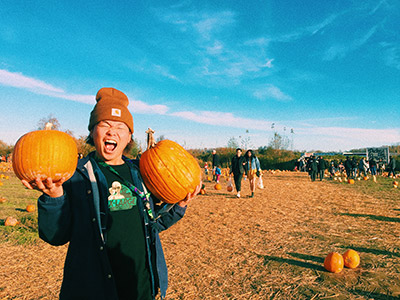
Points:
x=77, y=218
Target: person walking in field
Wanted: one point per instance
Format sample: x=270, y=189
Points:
x=237, y=164
x=312, y=167
x=392, y=167
x=354, y=167
x=106, y=215
x=348, y=167
x=321, y=167
x=373, y=168
x=253, y=170
x=215, y=163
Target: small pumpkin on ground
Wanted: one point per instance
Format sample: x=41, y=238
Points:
x=351, y=181
x=334, y=262
x=11, y=221
x=218, y=186
x=30, y=208
x=351, y=259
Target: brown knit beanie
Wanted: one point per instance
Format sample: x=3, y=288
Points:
x=111, y=105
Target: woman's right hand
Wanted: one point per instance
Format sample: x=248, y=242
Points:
x=47, y=186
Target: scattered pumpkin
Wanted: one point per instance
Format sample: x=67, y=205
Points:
x=45, y=153
x=209, y=178
x=365, y=177
x=30, y=208
x=3, y=200
x=168, y=170
x=351, y=181
x=11, y=221
x=202, y=192
x=334, y=262
x=395, y=182
x=218, y=186
x=229, y=188
x=351, y=259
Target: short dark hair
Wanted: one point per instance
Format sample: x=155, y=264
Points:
x=239, y=149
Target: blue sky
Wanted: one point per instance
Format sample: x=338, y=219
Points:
x=325, y=73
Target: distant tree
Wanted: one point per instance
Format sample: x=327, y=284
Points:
x=279, y=142
x=246, y=143
x=134, y=151
x=160, y=138
x=83, y=147
x=4, y=148
x=233, y=143
x=49, y=119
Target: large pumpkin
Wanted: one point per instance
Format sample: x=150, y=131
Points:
x=45, y=153
x=334, y=262
x=168, y=170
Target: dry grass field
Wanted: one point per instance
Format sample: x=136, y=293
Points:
x=271, y=246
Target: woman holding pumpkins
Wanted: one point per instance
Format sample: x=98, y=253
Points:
x=106, y=215
x=253, y=170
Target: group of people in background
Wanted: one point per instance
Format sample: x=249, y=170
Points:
x=247, y=165
x=353, y=168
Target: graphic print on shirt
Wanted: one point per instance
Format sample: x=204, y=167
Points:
x=121, y=197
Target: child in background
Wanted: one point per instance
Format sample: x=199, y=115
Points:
x=206, y=168
x=218, y=173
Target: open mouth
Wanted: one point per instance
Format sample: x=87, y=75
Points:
x=110, y=145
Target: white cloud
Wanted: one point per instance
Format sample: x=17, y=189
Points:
x=223, y=119
x=209, y=23
x=392, y=56
x=137, y=106
x=342, y=138
x=268, y=64
x=36, y=86
x=271, y=92
x=341, y=50
x=20, y=81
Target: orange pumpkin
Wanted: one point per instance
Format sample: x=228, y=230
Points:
x=351, y=181
x=168, y=170
x=45, y=153
x=202, y=191
x=3, y=200
x=365, y=177
x=229, y=188
x=334, y=262
x=395, y=183
x=351, y=259
x=11, y=221
x=30, y=208
x=218, y=186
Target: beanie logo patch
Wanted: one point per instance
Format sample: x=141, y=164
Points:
x=116, y=112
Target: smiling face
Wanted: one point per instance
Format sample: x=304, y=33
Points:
x=110, y=139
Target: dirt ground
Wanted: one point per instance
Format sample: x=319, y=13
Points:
x=271, y=246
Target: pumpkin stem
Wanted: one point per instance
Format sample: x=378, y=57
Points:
x=151, y=142
x=48, y=126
